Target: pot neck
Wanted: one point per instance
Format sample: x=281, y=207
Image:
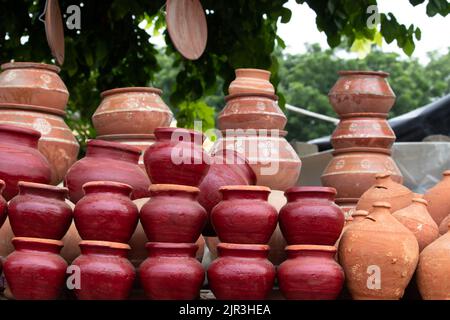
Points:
x=20, y=137
x=105, y=249
x=253, y=73
x=243, y=251
x=380, y=210
x=312, y=251
x=317, y=195
x=46, y=191
x=383, y=180
x=112, y=152
x=37, y=245
x=179, y=135
x=108, y=187
x=236, y=194
x=174, y=193
x=181, y=250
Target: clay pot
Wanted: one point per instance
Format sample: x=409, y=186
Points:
x=177, y=157
x=173, y=214
x=40, y=211
x=242, y=272
x=443, y=228
x=107, y=161
x=251, y=81
x=352, y=171
x=379, y=256
x=437, y=197
x=36, y=84
x=18, y=153
x=3, y=204
x=310, y=273
x=35, y=271
x=359, y=215
x=347, y=205
x=71, y=242
x=134, y=110
x=361, y=91
x=106, y=212
x=311, y=216
x=105, y=272
x=244, y=215
x=171, y=272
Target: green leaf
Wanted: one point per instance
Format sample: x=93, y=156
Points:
x=416, y=2
x=418, y=34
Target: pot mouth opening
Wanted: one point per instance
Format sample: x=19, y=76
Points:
x=113, y=145
x=446, y=173
x=363, y=72
x=131, y=89
x=30, y=65
x=346, y=200
x=41, y=186
x=104, y=244
x=249, y=94
x=57, y=243
x=111, y=184
x=32, y=108
x=311, y=189
x=307, y=247
x=244, y=247
x=179, y=131
x=245, y=188
x=173, y=187
x=20, y=130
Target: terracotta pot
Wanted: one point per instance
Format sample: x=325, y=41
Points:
x=437, y=197
x=242, y=272
x=107, y=161
x=177, y=157
x=443, y=227
x=57, y=143
x=40, y=211
x=36, y=84
x=3, y=204
x=18, y=153
x=105, y=272
x=311, y=216
x=352, y=171
x=347, y=205
x=71, y=241
x=35, y=271
x=361, y=91
x=310, y=273
x=379, y=256
x=134, y=110
x=106, y=212
x=251, y=81
x=359, y=215
x=171, y=272
x=244, y=215
x=6, y=236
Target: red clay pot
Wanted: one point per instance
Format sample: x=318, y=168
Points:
x=40, y=211
x=251, y=81
x=311, y=216
x=106, y=212
x=18, y=153
x=437, y=197
x=173, y=214
x=106, y=273
x=244, y=215
x=3, y=204
x=310, y=273
x=107, y=161
x=35, y=271
x=177, y=157
x=242, y=272
x=171, y=271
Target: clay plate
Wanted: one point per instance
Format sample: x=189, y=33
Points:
x=54, y=30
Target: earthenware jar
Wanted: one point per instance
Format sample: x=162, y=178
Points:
x=437, y=197
x=173, y=214
x=40, y=211
x=177, y=157
x=3, y=204
x=311, y=216
x=107, y=161
x=244, y=215
x=171, y=271
x=105, y=272
x=106, y=212
x=18, y=153
x=242, y=272
x=310, y=273
x=251, y=81
x=379, y=256
x=443, y=227
x=35, y=271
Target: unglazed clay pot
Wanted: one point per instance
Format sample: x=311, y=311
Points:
x=135, y=110
x=106, y=212
x=3, y=204
x=361, y=91
x=310, y=273
x=417, y=219
x=18, y=154
x=40, y=211
x=107, y=161
x=443, y=228
x=379, y=256
x=35, y=271
x=242, y=272
x=244, y=215
x=311, y=216
x=105, y=272
x=177, y=157
x=36, y=84
x=437, y=197
x=173, y=214
x=171, y=271
x=251, y=81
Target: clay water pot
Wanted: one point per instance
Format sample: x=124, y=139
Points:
x=251, y=81
x=35, y=271
x=417, y=219
x=107, y=161
x=134, y=110
x=40, y=211
x=105, y=272
x=18, y=153
x=30, y=83
x=443, y=228
x=173, y=214
x=3, y=204
x=71, y=241
x=310, y=273
x=242, y=272
x=106, y=212
x=244, y=215
x=379, y=256
x=171, y=272
x=347, y=205
x=177, y=157
x=437, y=197
x=311, y=216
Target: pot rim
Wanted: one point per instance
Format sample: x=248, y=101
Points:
x=382, y=204
x=382, y=74
x=33, y=108
x=173, y=187
x=113, y=137
x=420, y=200
x=170, y=245
x=180, y=130
x=131, y=89
x=249, y=94
x=254, y=132
x=346, y=200
x=113, y=145
x=362, y=149
x=318, y=189
x=246, y=247
x=30, y=65
x=42, y=186
x=245, y=188
x=104, y=244
x=106, y=183
x=360, y=213
x=253, y=70
x=38, y=240
x=21, y=130
x=310, y=247
x=367, y=115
